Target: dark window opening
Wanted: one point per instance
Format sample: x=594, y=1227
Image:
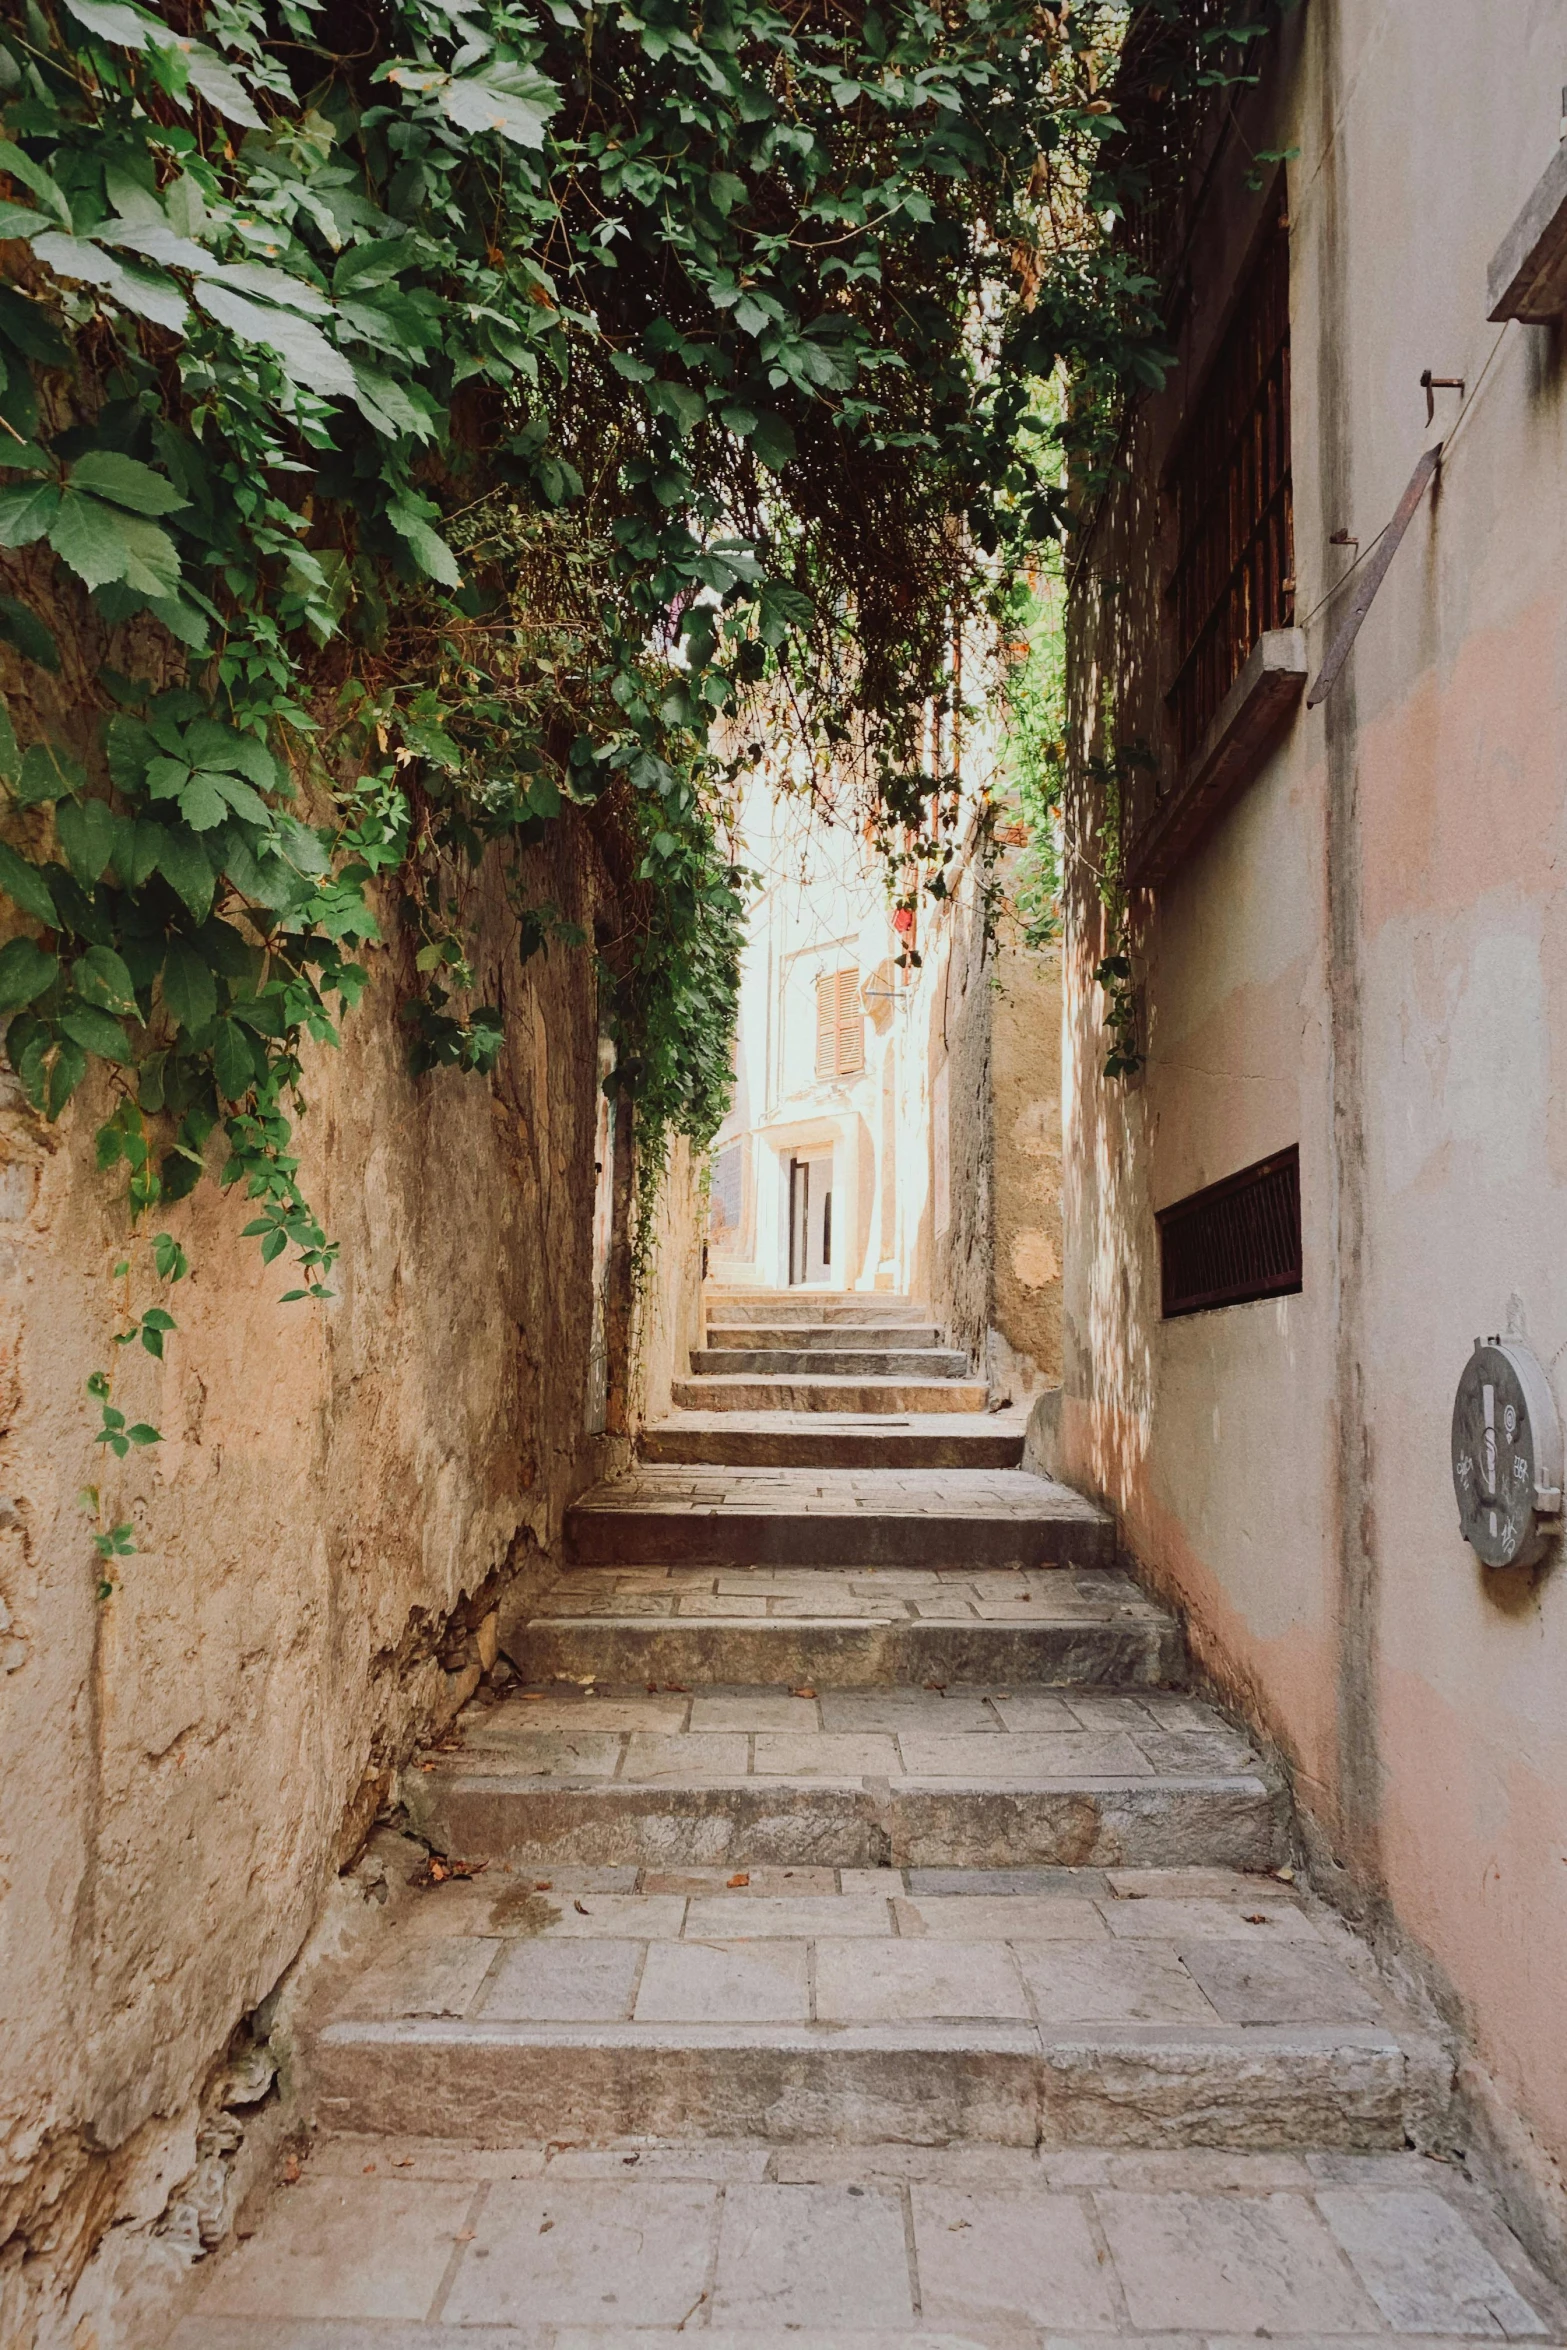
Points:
x=1234, y=571
x=1234, y=1241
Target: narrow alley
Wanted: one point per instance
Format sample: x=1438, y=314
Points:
x=848, y=1929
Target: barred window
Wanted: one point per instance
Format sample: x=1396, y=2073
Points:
x=1234, y=572
x=1233, y=1241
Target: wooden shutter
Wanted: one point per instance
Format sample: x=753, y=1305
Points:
x=840, y=1025
x=851, y=1025
x=827, y=1026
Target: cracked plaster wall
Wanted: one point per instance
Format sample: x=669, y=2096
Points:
x=339, y=1496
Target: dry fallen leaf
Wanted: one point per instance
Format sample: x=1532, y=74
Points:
x=544, y=1885
x=677, y=1689
x=402, y=2162
x=465, y=2236
x=1257, y=1917
x=742, y=1879
x=290, y=2171
x=545, y=2229
x=534, y=1696
x=802, y=1693
x=581, y=1908
x=1285, y=1876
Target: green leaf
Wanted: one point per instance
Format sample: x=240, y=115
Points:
x=48, y=773
x=90, y=537
x=202, y=803
x=166, y=778
x=140, y=1433
x=510, y=99
x=21, y=627
x=25, y=971
x=101, y=977
x=138, y=843
x=773, y=441
x=433, y=556
x=26, y=887
x=27, y=510
x=70, y=1067
x=28, y=328
x=232, y=1060
x=302, y=348
x=110, y=20
x=86, y=828
x=189, y=989
x=273, y=1246
x=125, y=481
x=99, y=1032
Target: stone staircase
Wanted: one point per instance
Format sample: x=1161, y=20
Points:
x=846, y=1885
x=770, y=1351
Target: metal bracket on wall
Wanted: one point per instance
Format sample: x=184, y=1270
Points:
x=1376, y=571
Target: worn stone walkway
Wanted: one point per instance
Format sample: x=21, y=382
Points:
x=856, y=1936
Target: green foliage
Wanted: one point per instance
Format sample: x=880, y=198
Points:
x=460, y=409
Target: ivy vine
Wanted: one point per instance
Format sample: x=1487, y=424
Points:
x=430, y=423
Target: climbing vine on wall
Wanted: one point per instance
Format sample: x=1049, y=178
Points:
x=426, y=424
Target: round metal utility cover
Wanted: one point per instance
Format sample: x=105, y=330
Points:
x=1507, y=1455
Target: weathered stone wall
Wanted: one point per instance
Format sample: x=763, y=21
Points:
x=339, y=1496
x=1025, y=1078
x=959, y=1048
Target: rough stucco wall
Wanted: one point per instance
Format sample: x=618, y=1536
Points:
x=1025, y=1076
x=1365, y=958
x=187, y=1763
x=962, y=1255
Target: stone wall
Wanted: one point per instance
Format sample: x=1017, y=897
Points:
x=1025, y=1078
x=340, y=1495
x=958, y=1046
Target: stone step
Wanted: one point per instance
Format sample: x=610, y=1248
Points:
x=781, y=1362
x=873, y=1396
x=808, y=1336
x=994, y=1779
x=786, y=1628
x=1071, y=2009
x=810, y=1305
x=656, y=1516
x=816, y=1440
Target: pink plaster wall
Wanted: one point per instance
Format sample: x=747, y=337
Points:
x=1367, y=957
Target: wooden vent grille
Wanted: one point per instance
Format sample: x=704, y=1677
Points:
x=840, y=1025
x=1237, y=1240
x=1235, y=565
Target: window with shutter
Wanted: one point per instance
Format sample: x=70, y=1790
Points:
x=840, y=1025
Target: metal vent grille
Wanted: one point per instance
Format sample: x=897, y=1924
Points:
x=1237, y=1240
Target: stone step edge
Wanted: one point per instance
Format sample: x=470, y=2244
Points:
x=1233, y=1820
x=1324, y=2086
x=848, y=1652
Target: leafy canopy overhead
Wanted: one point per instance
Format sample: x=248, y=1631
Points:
x=456, y=408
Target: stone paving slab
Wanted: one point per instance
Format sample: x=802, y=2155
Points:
x=406, y=2244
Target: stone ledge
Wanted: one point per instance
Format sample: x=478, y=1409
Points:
x=1249, y=718
x=1527, y=278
